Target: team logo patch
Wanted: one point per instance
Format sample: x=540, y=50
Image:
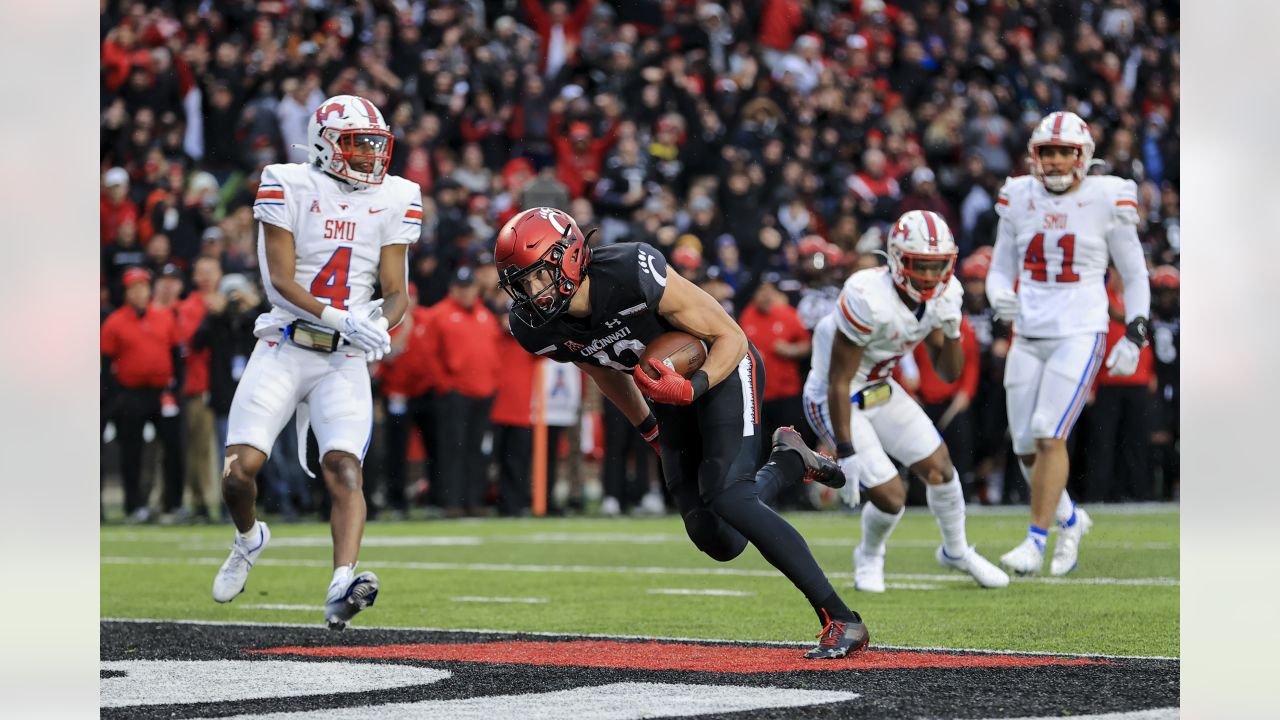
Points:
x=573, y=346
x=315, y=206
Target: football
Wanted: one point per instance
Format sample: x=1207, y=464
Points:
x=679, y=351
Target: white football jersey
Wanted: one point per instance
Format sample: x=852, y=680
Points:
x=1057, y=247
x=338, y=234
x=871, y=314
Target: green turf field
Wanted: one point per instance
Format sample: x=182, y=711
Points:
x=634, y=576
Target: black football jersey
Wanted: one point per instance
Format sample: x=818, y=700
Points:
x=627, y=282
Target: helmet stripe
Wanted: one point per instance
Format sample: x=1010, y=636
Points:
x=1057, y=125
x=369, y=110
x=933, y=230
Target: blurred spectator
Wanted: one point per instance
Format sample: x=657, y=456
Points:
x=227, y=334
x=116, y=208
x=140, y=345
x=464, y=336
x=1119, y=435
x=1166, y=345
x=407, y=385
x=512, y=421
x=202, y=461
x=924, y=196
x=560, y=31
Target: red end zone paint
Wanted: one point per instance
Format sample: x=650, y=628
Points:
x=673, y=656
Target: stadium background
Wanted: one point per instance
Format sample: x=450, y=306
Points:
x=738, y=130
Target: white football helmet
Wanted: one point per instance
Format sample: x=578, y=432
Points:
x=922, y=254
x=348, y=138
x=1067, y=129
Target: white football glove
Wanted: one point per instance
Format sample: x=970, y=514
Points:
x=853, y=470
x=1005, y=305
x=948, y=313
x=1123, y=359
x=363, y=327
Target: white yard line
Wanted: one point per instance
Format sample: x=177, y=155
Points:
x=472, y=599
x=694, y=591
x=615, y=570
x=602, y=636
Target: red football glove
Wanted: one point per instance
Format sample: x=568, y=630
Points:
x=671, y=387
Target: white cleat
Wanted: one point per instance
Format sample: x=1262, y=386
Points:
x=344, y=601
x=868, y=571
x=1026, y=559
x=980, y=568
x=231, y=577
x=1066, y=552
x=610, y=507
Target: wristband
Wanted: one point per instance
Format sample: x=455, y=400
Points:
x=332, y=317
x=1137, y=331
x=648, y=428
x=700, y=384
x=844, y=449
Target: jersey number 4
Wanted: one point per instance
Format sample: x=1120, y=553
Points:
x=331, y=281
x=1034, y=261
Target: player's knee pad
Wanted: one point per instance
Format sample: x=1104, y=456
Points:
x=705, y=530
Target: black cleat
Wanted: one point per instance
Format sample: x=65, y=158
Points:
x=817, y=467
x=840, y=638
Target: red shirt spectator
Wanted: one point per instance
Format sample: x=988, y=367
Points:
x=464, y=337
x=579, y=156
x=409, y=372
x=933, y=390
x=514, y=404
x=139, y=338
x=780, y=22
x=560, y=32
x=775, y=329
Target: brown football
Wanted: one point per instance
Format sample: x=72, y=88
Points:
x=679, y=351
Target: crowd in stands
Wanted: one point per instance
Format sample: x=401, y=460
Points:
x=762, y=145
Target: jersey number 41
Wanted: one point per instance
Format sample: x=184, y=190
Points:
x=1034, y=261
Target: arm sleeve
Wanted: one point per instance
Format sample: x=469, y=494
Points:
x=652, y=275
x=972, y=360
x=1004, y=260
x=408, y=227
x=272, y=204
x=1126, y=253
x=854, y=316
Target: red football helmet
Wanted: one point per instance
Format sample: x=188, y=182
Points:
x=541, y=257
x=1166, y=277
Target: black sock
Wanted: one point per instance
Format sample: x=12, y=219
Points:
x=835, y=608
x=789, y=463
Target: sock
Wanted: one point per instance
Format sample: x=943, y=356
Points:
x=252, y=538
x=1066, y=512
x=834, y=607
x=876, y=526
x=341, y=577
x=1037, y=536
x=946, y=501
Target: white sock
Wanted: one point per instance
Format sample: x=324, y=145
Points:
x=252, y=537
x=946, y=501
x=341, y=576
x=876, y=527
x=1065, y=514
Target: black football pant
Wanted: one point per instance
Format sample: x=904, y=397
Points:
x=134, y=408
x=777, y=413
x=710, y=455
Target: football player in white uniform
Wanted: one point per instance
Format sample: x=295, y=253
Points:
x=881, y=315
x=1057, y=228
x=329, y=229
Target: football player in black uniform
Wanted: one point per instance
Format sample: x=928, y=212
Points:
x=598, y=309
